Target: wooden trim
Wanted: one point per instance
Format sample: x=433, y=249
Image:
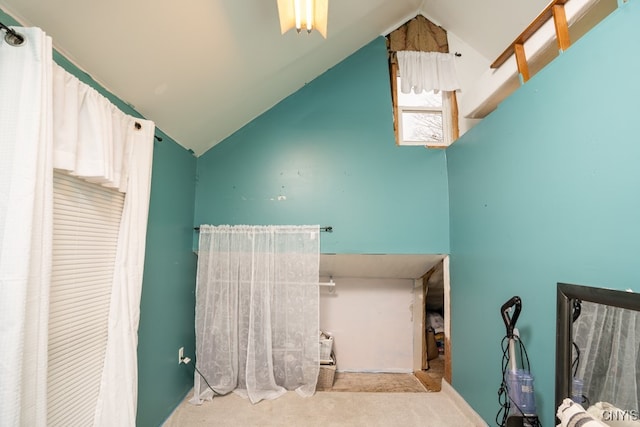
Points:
x=455, y=127
x=452, y=121
x=393, y=71
x=425, y=277
x=447, y=359
x=535, y=25
x=521, y=60
x=446, y=276
x=425, y=290
x=562, y=28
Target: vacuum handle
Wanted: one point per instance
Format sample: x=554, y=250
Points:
x=510, y=321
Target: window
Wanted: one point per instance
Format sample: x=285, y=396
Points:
x=86, y=221
x=425, y=118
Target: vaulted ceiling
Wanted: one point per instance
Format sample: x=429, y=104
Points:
x=202, y=69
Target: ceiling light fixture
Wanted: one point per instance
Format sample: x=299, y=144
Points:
x=304, y=14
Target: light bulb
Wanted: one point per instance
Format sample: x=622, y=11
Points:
x=309, y=15
x=298, y=13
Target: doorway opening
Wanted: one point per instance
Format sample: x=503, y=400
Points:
x=375, y=314
x=434, y=329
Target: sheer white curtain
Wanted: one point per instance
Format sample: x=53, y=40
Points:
x=257, y=315
x=56, y=121
x=26, y=180
x=609, y=343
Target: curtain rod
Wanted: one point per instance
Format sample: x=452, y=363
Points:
x=327, y=229
x=13, y=38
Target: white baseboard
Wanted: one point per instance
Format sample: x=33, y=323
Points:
x=462, y=404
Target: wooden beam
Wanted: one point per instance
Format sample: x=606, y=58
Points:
x=521, y=60
x=454, y=118
x=535, y=25
x=562, y=28
x=447, y=360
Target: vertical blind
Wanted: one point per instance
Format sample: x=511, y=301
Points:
x=86, y=219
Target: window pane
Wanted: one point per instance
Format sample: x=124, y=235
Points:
x=424, y=99
x=422, y=127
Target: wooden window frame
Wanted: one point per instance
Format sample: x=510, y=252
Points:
x=451, y=120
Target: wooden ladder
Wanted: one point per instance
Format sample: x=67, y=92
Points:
x=555, y=9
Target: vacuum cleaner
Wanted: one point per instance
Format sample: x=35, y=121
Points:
x=516, y=394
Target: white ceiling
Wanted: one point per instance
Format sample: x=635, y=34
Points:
x=377, y=266
x=201, y=69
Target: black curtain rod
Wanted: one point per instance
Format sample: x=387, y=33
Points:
x=328, y=229
x=12, y=37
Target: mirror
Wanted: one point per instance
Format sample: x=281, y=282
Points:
x=598, y=347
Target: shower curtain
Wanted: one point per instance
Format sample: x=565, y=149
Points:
x=25, y=221
x=257, y=315
x=49, y=119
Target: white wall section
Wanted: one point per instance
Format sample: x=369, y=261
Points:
x=371, y=322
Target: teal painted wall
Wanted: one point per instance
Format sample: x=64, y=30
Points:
x=543, y=190
x=167, y=309
x=546, y=189
x=168, y=290
x=328, y=152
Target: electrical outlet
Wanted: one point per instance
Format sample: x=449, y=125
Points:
x=180, y=355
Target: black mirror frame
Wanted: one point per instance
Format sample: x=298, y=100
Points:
x=566, y=294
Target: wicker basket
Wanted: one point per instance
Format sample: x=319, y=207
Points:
x=325, y=377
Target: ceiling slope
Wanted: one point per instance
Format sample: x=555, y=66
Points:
x=203, y=69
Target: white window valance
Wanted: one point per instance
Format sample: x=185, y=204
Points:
x=426, y=71
x=92, y=138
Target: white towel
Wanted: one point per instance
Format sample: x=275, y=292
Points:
x=572, y=414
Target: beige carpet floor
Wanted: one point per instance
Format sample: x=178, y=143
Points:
x=326, y=409
x=356, y=399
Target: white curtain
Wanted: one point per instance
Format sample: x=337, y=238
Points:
x=427, y=71
x=64, y=124
x=26, y=180
x=609, y=342
x=257, y=315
